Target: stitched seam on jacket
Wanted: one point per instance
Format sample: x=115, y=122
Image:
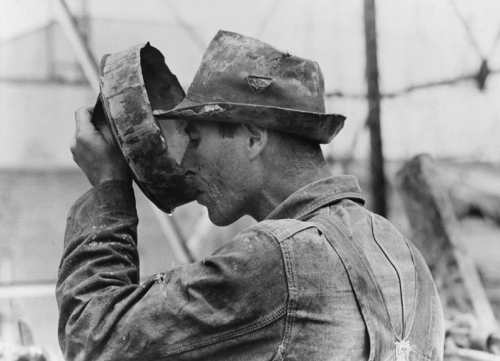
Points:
x=286, y=250
x=432, y=329
x=323, y=202
x=283, y=237
x=222, y=336
x=428, y=344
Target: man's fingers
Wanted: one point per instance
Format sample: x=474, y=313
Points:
x=103, y=128
x=83, y=119
x=95, y=151
x=86, y=128
x=73, y=145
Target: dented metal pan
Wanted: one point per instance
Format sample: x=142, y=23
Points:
x=133, y=83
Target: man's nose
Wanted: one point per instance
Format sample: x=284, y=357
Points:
x=189, y=162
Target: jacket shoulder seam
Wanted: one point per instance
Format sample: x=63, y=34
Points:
x=287, y=228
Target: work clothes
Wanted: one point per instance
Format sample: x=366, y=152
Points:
x=278, y=291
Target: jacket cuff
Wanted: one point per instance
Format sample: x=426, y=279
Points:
x=108, y=198
x=114, y=196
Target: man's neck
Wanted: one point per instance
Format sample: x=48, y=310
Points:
x=280, y=186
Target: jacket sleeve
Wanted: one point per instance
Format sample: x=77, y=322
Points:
x=106, y=315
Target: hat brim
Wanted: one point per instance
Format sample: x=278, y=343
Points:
x=318, y=127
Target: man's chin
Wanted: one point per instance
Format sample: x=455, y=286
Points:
x=217, y=216
x=220, y=219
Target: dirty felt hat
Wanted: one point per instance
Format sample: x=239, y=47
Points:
x=243, y=80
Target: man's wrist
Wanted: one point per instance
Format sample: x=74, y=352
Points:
x=102, y=180
x=120, y=176
x=114, y=195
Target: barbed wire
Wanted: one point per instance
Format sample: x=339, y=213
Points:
x=480, y=76
x=468, y=29
x=411, y=88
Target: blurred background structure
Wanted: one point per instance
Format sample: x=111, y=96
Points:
x=419, y=76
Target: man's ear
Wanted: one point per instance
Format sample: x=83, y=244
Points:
x=256, y=139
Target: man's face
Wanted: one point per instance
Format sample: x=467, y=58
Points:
x=221, y=171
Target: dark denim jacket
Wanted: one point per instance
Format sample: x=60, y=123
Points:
x=277, y=291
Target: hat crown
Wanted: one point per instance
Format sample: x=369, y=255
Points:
x=243, y=80
x=242, y=70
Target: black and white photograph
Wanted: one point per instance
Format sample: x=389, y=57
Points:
x=251, y=180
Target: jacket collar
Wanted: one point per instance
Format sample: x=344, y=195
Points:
x=316, y=195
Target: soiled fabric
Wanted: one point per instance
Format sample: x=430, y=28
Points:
x=277, y=291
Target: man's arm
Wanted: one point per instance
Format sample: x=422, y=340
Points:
x=99, y=268
x=201, y=310
x=100, y=254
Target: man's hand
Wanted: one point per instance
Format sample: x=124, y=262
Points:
x=95, y=151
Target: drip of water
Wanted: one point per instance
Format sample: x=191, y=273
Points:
x=171, y=213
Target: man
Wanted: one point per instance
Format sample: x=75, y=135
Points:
x=318, y=278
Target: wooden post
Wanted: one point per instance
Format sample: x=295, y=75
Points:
x=77, y=43
x=378, y=184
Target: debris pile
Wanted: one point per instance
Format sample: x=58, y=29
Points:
x=472, y=330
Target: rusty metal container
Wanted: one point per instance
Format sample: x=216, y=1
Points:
x=133, y=83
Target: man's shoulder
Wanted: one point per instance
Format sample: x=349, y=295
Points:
x=268, y=232
x=262, y=242
x=277, y=230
